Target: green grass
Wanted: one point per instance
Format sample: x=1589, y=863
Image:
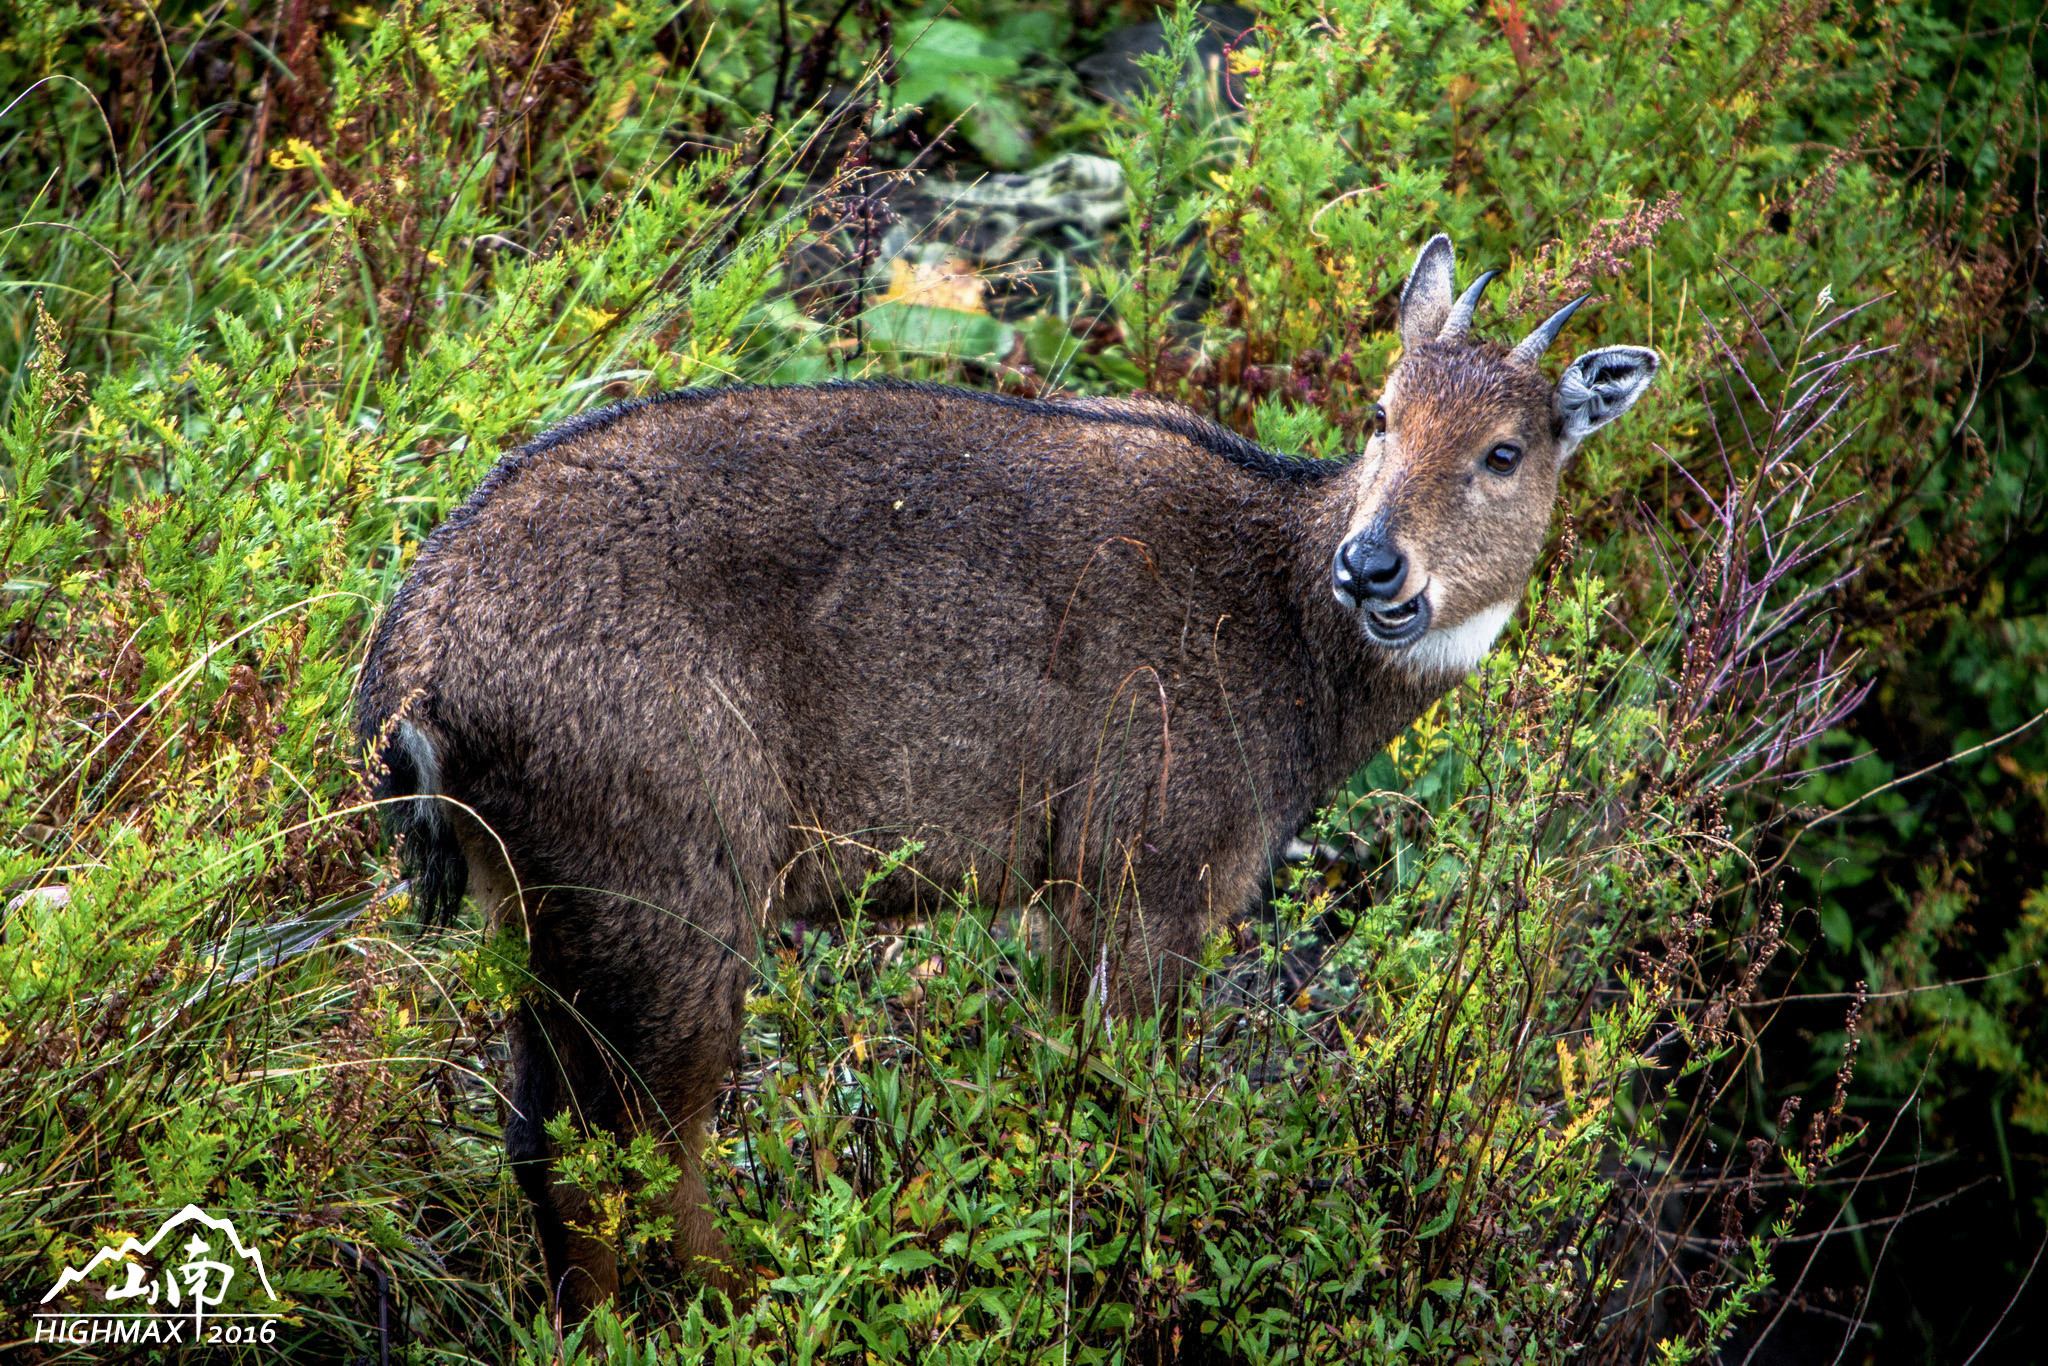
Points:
x=269, y=319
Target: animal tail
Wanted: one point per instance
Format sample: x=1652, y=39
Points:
x=411, y=762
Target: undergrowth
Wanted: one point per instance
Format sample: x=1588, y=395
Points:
x=284, y=282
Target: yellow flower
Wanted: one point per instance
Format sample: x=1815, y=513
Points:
x=295, y=153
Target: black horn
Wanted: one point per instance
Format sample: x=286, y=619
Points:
x=1537, y=342
x=1460, y=321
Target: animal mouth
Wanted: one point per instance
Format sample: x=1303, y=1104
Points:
x=1401, y=624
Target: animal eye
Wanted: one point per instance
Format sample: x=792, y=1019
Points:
x=1503, y=458
x=1379, y=420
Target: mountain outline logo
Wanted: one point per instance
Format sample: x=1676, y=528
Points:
x=159, y=1299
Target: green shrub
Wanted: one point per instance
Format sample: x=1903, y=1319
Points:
x=1454, y=1101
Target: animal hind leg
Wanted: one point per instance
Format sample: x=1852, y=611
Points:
x=557, y=1066
x=641, y=929
x=641, y=1042
x=681, y=1056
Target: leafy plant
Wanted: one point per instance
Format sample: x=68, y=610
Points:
x=1482, y=1081
x=969, y=74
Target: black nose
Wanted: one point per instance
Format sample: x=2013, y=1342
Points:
x=1372, y=569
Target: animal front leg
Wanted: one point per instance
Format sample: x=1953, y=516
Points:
x=1172, y=898
x=1130, y=943
x=1157, y=945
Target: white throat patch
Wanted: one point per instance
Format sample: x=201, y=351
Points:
x=1458, y=649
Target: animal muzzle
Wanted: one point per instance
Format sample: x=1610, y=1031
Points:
x=1368, y=577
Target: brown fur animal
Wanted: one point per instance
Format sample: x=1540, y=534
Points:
x=682, y=666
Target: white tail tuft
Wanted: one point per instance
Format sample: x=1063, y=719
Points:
x=426, y=767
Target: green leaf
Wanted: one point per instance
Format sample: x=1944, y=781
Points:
x=924, y=330
x=908, y=1259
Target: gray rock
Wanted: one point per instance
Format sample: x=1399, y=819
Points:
x=987, y=220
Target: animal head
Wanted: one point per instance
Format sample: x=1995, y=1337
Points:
x=1451, y=497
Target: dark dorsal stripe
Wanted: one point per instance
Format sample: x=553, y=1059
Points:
x=1247, y=455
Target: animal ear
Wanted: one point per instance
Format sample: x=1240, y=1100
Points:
x=1427, y=297
x=1598, y=387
